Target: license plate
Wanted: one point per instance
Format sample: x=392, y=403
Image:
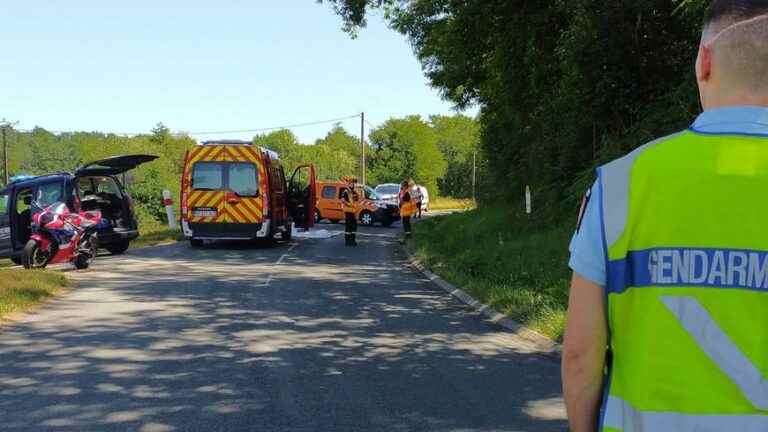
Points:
x=204, y=212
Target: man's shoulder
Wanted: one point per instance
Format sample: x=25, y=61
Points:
x=627, y=160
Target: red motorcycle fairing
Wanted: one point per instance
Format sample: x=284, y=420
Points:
x=58, y=232
x=43, y=240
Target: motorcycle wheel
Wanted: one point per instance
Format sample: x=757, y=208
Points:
x=86, y=254
x=33, y=257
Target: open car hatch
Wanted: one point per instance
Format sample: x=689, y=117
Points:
x=114, y=165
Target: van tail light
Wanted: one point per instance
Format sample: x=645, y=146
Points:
x=184, y=206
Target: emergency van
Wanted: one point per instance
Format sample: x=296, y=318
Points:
x=233, y=190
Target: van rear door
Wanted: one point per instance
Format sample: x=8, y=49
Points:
x=246, y=180
x=205, y=199
x=302, y=196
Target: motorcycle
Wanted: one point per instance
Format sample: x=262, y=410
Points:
x=60, y=236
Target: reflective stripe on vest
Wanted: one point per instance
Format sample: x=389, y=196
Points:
x=408, y=208
x=622, y=416
x=687, y=284
x=347, y=201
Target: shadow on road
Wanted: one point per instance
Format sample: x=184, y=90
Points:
x=226, y=339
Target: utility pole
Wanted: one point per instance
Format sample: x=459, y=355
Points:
x=474, y=175
x=4, y=124
x=362, y=147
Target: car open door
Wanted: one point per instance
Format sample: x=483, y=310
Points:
x=302, y=196
x=6, y=245
x=113, y=166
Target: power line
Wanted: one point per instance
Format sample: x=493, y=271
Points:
x=223, y=132
x=276, y=127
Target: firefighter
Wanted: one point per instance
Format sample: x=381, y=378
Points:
x=407, y=208
x=349, y=200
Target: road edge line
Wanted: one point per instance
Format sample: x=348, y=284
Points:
x=545, y=344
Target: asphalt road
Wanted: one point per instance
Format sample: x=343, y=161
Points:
x=308, y=336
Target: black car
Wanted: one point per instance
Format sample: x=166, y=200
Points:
x=94, y=186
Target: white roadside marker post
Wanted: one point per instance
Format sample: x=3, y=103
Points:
x=168, y=203
x=528, y=200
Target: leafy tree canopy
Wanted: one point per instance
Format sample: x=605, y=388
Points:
x=562, y=85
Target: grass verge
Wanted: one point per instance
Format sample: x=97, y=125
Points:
x=156, y=234
x=494, y=255
x=22, y=289
x=445, y=203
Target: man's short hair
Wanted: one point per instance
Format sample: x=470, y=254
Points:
x=733, y=11
x=737, y=30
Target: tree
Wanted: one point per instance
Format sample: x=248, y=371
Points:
x=339, y=139
x=407, y=149
x=458, y=138
x=562, y=85
x=347, y=146
x=41, y=152
x=329, y=156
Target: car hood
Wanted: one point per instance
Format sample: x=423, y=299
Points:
x=114, y=165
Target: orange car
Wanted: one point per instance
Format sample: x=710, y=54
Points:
x=369, y=208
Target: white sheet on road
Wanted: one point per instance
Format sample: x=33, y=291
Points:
x=314, y=233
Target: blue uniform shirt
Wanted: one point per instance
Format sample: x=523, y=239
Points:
x=587, y=250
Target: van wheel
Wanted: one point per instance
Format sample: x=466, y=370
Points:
x=366, y=218
x=118, y=248
x=196, y=243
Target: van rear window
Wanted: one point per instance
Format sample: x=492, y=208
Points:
x=243, y=179
x=208, y=176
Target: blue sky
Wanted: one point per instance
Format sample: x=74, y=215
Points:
x=202, y=66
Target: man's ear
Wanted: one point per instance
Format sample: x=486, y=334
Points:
x=704, y=63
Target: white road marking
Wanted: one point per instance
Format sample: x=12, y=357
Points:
x=390, y=236
x=280, y=261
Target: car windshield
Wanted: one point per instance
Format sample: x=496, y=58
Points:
x=55, y=207
x=370, y=193
x=387, y=189
x=48, y=194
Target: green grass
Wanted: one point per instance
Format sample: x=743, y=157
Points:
x=22, y=289
x=152, y=235
x=445, y=203
x=494, y=255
